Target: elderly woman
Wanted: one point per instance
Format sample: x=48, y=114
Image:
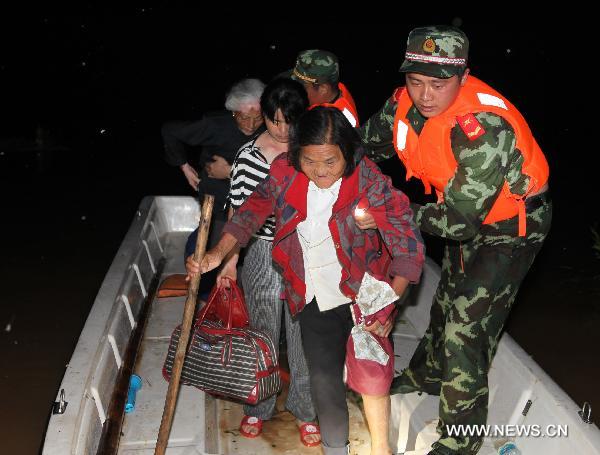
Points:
x=282, y=102
x=324, y=257
x=220, y=134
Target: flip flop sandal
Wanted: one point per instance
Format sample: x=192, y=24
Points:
x=309, y=429
x=253, y=422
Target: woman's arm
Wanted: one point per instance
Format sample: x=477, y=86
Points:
x=394, y=219
x=212, y=258
x=229, y=269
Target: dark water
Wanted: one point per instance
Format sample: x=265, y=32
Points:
x=100, y=86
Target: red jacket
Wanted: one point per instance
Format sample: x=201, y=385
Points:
x=284, y=191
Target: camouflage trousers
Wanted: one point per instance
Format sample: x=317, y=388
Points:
x=479, y=281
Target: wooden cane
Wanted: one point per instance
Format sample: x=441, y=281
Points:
x=186, y=324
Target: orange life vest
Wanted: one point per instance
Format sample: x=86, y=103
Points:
x=428, y=156
x=345, y=103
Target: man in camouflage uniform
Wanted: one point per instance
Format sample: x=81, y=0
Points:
x=319, y=72
x=484, y=263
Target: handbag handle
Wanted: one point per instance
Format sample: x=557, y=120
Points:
x=228, y=292
x=205, y=309
x=234, y=289
x=240, y=297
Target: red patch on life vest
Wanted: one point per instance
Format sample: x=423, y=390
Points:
x=397, y=93
x=470, y=126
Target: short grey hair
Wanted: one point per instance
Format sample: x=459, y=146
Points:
x=246, y=91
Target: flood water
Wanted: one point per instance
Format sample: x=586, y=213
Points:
x=66, y=209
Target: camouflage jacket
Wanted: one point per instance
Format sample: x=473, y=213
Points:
x=284, y=192
x=483, y=166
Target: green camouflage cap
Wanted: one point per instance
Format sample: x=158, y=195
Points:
x=316, y=66
x=437, y=51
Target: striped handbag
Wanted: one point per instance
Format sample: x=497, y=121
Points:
x=235, y=363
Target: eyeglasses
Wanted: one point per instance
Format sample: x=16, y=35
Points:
x=247, y=118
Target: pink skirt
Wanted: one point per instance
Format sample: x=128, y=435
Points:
x=367, y=376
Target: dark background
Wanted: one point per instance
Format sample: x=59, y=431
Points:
x=83, y=96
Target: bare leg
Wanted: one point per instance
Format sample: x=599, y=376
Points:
x=377, y=409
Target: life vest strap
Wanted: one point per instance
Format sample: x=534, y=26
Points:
x=426, y=184
x=522, y=217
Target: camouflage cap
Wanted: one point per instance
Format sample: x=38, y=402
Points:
x=437, y=51
x=316, y=66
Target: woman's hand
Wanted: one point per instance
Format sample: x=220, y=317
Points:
x=218, y=168
x=399, y=285
x=227, y=272
x=382, y=330
x=191, y=175
x=364, y=220
x=211, y=260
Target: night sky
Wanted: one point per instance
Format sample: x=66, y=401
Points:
x=83, y=96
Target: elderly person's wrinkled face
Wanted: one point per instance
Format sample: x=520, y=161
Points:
x=323, y=164
x=249, y=118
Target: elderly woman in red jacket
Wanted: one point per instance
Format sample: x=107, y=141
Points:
x=324, y=257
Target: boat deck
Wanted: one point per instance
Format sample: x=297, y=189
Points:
x=203, y=424
x=521, y=393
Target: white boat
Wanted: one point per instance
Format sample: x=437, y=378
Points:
x=522, y=396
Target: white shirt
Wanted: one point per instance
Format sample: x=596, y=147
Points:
x=322, y=269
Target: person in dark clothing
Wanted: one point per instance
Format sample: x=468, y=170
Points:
x=220, y=134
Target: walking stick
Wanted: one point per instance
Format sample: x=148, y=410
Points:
x=186, y=324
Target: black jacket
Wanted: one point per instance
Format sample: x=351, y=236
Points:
x=217, y=134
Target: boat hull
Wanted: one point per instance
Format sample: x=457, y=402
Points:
x=159, y=230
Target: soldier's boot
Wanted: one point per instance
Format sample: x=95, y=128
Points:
x=471, y=449
x=442, y=451
x=407, y=382
x=439, y=449
x=423, y=373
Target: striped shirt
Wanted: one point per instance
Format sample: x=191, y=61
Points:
x=250, y=168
